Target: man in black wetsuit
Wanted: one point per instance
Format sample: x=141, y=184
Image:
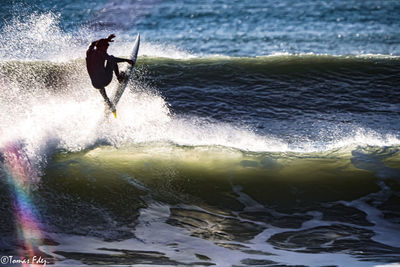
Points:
x=101, y=73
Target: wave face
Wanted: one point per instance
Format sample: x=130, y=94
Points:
x=258, y=142
x=283, y=90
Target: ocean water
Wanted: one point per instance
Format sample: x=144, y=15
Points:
x=253, y=133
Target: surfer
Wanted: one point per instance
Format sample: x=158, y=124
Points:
x=101, y=73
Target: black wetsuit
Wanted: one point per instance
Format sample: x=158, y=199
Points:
x=101, y=73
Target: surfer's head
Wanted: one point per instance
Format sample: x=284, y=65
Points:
x=102, y=44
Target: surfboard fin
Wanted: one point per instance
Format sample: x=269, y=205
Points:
x=115, y=113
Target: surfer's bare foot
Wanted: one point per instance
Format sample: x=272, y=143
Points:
x=121, y=77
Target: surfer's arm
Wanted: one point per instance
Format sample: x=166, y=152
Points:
x=118, y=60
x=111, y=37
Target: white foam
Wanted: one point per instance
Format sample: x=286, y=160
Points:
x=36, y=36
x=39, y=36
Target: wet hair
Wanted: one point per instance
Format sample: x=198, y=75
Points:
x=101, y=43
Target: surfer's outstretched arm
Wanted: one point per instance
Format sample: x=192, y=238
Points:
x=118, y=60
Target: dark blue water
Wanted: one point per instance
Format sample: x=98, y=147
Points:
x=252, y=133
x=236, y=28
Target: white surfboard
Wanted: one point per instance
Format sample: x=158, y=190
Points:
x=129, y=72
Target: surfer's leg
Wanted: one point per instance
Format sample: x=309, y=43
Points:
x=112, y=65
x=106, y=99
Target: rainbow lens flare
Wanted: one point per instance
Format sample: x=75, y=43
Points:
x=22, y=177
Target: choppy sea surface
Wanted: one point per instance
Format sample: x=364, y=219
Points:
x=253, y=133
